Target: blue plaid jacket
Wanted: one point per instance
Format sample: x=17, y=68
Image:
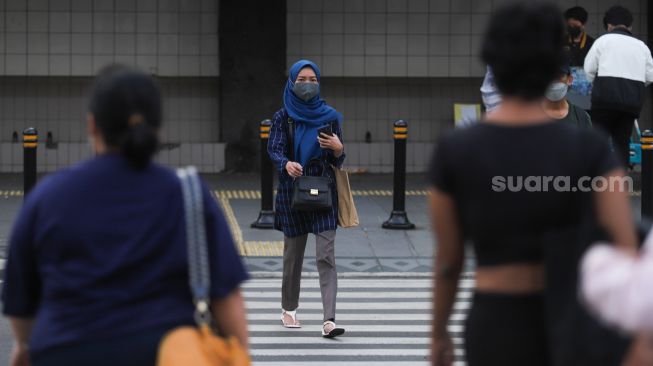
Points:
x=295, y=223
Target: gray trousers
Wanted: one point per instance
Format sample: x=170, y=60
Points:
x=293, y=260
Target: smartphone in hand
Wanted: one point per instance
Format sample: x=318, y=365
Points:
x=325, y=130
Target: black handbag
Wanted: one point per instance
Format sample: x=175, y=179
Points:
x=312, y=193
x=309, y=193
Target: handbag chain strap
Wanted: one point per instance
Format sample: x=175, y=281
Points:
x=198, y=263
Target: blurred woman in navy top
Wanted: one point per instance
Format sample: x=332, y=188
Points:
x=97, y=266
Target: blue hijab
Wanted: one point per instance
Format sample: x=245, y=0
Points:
x=309, y=116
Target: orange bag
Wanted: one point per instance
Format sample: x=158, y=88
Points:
x=200, y=347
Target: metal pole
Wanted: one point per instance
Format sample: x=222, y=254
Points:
x=30, y=142
x=265, y=218
x=398, y=218
x=647, y=174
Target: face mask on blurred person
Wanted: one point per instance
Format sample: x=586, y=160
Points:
x=306, y=91
x=574, y=31
x=556, y=91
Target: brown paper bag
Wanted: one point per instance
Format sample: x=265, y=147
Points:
x=347, y=214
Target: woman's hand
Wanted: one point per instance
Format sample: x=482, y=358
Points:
x=19, y=356
x=442, y=351
x=294, y=169
x=331, y=142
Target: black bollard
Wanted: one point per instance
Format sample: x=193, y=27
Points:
x=398, y=218
x=266, y=216
x=30, y=142
x=647, y=174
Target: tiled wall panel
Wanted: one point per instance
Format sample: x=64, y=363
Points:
x=207, y=157
x=79, y=37
x=408, y=38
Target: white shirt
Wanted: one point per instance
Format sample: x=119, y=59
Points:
x=489, y=92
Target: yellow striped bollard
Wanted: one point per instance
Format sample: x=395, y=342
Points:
x=398, y=218
x=30, y=142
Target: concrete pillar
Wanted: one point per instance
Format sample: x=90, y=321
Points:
x=252, y=36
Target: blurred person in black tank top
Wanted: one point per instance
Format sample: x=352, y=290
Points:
x=473, y=200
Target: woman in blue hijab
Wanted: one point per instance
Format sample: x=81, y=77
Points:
x=305, y=112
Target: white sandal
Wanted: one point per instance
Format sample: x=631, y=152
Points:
x=293, y=316
x=334, y=332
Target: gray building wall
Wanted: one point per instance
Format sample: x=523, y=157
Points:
x=50, y=49
x=381, y=60
x=78, y=37
x=409, y=38
x=406, y=59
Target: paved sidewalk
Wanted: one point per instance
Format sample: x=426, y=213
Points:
x=367, y=248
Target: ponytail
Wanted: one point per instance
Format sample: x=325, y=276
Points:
x=140, y=142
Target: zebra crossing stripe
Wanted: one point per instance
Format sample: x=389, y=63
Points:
x=359, y=328
x=387, y=322
x=347, y=352
x=346, y=295
x=373, y=363
x=353, y=340
x=426, y=305
x=426, y=317
x=394, y=285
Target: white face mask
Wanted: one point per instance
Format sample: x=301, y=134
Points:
x=557, y=91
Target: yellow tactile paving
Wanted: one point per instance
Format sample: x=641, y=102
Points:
x=246, y=248
x=256, y=195
x=11, y=193
x=231, y=221
x=263, y=248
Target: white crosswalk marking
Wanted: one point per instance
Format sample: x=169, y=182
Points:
x=387, y=322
